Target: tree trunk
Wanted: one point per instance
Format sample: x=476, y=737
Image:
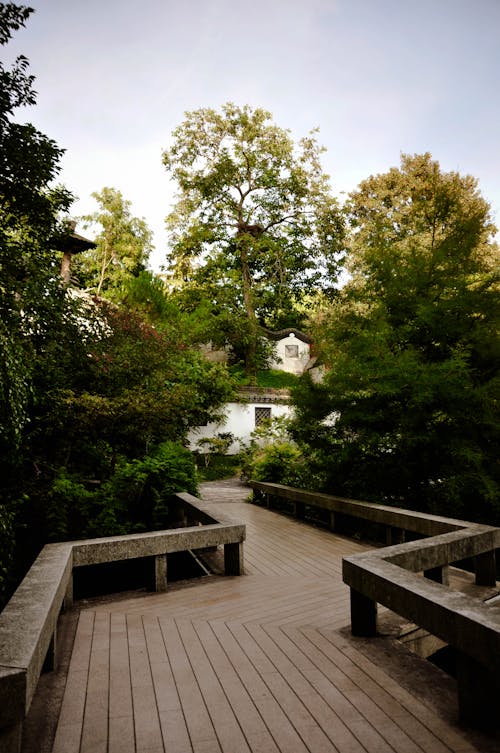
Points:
x=251, y=349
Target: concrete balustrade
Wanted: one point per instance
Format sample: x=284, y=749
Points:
x=28, y=624
x=392, y=576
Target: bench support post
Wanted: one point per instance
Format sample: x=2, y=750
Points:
x=160, y=573
x=478, y=693
x=10, y=738
x=233, y=558
x=394, y=535
x=485, y=567
x=438, y=574
x=363, y=615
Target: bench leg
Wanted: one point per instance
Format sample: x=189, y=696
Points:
x=11, y=738
x=438, y=574
x=161, y=572
x=478, y=694
x=485, y=567
x=50, y=661
x=68, y=597
x=394, y=535
x=233, y=559
x=363, y=615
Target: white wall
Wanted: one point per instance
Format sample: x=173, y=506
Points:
x=240, y=421
x=284, y=362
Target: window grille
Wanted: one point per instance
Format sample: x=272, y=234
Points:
x=292, y=351
x=262, y=414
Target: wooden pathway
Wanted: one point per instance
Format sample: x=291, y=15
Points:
x=256, y=664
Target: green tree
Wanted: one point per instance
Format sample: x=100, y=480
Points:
x=30, y=296
x=255, y=225
x=408, y=411
x=123, y=245
x=112, y=391
x=28, y=222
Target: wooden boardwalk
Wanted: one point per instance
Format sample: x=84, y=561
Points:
x=256, y=664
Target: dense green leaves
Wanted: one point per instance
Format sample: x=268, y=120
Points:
x=136, y=498
x=29, y=294
x=409, y=409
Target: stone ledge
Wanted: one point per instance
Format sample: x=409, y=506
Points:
x=28, y=623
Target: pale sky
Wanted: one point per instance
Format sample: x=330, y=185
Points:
x=379, y=77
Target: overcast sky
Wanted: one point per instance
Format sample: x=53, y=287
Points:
x=379, y=77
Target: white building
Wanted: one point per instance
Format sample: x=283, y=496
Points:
x=242, y=418
x=293, y=355
x=292, y=351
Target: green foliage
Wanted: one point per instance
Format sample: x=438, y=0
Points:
x=28, y=210
x=8, y=510
x=218, y=445
x=123, y=245
x=276, y=463
x=272, y=455
x=271, y=378
x=408, y=411
x=14, y=390
x=255, y=226
x=29, y=295
x=141, y=489
x=70, y=506
x=134, y=499
x=220, y=467
x=108, y=388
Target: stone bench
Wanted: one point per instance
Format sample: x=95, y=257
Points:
x=392, y=576
x=28, y=624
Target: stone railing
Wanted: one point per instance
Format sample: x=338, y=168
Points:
x=28, y=624
x=392, y=576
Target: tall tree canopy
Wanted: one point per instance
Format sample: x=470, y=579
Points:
x=254, y=224
x=124, y=243
x=31, y=301
x=413, y=348
x=28, y=222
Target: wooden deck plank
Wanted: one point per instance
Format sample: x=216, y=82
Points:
x=121, y=711
x=95, y=724
x=224, y=721
x=277, y=722
x=384, y=689
x=349, y=701
x=256, y=732
x=69, y=729
x=199, y=724
x=147, y=725
x=314, y=708
x=251, y=664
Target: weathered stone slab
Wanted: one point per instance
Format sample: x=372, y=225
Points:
x=28, y=622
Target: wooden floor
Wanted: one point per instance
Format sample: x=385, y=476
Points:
x=260, y=663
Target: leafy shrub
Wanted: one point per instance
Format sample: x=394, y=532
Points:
x=274, y=456
x=220, y=467
x=276, y=463
x=218, y=445
x=135, y=498
x=7, y=520
x=141, y=489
